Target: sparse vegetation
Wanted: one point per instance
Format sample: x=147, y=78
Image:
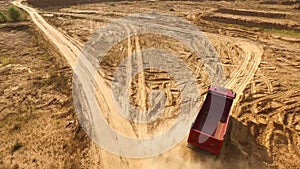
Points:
x=16, y=127
x=14, y=14
x=11, y=14
x=282, y=32
x=288, y=33
x=25, y=108
x=16, y=147
x=58, y=81
x=2, y=18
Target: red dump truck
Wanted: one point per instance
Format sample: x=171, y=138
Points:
x=210, y=126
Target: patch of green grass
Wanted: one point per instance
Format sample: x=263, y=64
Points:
x=2, y=18
x=14, y=14
x=288, y=33
x=16, y=147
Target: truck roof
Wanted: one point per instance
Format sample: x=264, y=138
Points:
x=223, y=91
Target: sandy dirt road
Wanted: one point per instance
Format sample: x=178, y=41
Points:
x=70, y=49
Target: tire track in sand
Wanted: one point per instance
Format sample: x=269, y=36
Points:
x=243, y=75
x=141, y=75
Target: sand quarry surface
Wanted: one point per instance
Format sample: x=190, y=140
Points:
x=258, y=43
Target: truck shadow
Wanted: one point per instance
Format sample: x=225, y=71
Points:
x=239, y=150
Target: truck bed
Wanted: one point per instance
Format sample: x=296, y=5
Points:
x=210, y=126
x=212, y=120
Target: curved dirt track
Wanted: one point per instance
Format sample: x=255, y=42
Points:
x=242, y=76
x=70, y=49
